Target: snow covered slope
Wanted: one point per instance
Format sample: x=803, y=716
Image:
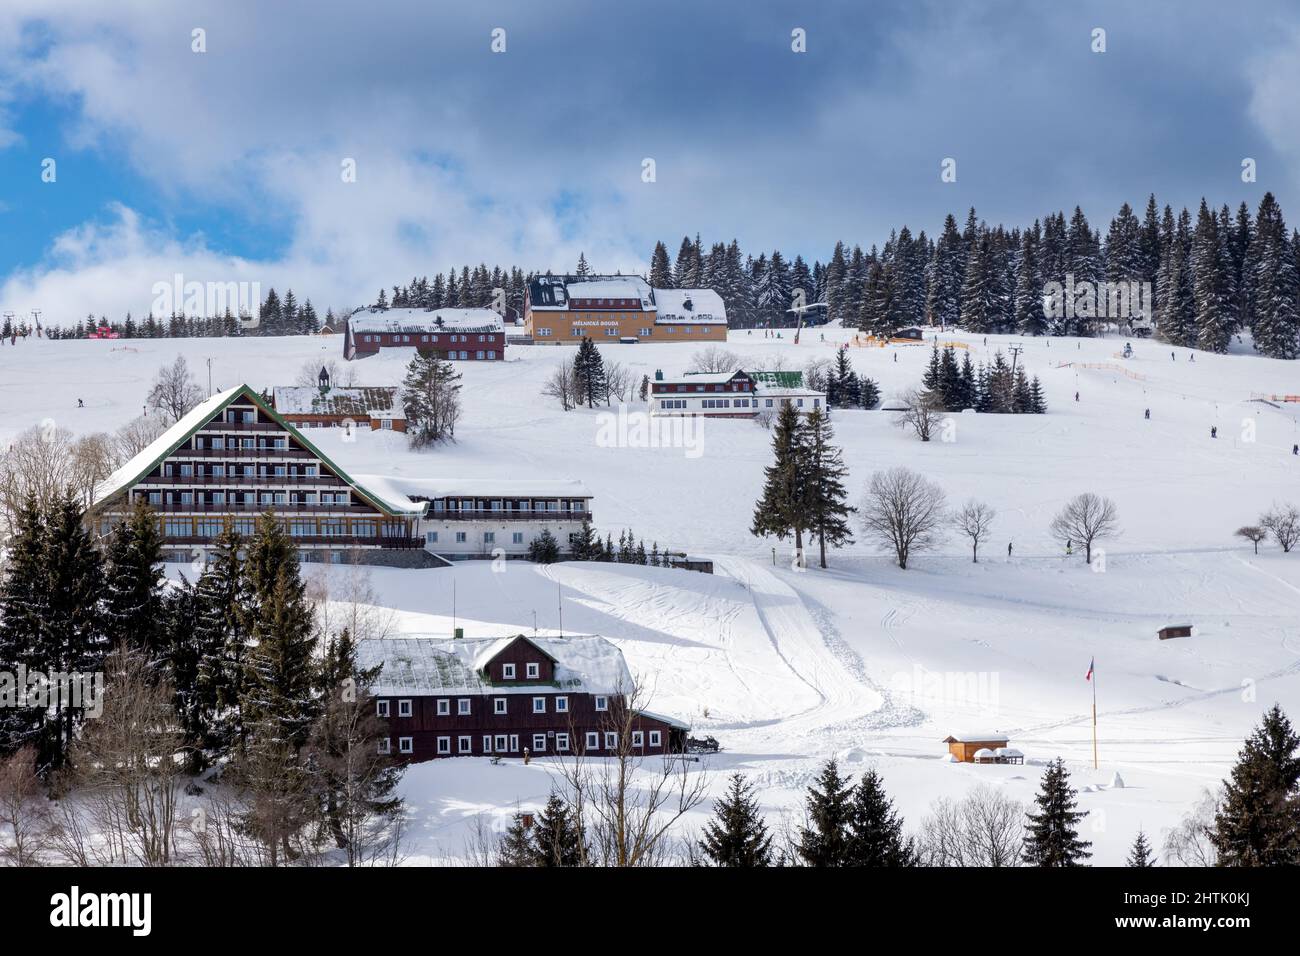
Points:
x=862, y=661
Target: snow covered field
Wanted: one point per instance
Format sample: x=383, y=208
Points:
x=863, y=661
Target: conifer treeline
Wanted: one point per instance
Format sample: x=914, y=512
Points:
x=1210, y=278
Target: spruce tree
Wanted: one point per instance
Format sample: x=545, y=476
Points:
x=516, y=847
x=589, y=371
x=220, y=643
x=544, y=549
x=279, y=692
x=737, y=835
x=133, y=595
x=826, y=499
x=1140, y=855
x=355, y=785
x=783, y=508
x=825, y=841
x=1052, y=837
x=868, y=393
x=1258, y=820
x=557, y=839
x=875, y=830
x=23, y=599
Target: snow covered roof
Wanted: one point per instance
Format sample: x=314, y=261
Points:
x=162, y=446
x=419, y=665
x=694, y=306
x=423, y=321
x=610, y=287
x=983, y=752
x=175, y=436
x=699, y=378
x=554, y=292
x=971, y=737
x=670, y=721
x=361, y=402
x=1007, y=752
x=461, y=487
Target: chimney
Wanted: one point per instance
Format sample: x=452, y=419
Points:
x=659, y=375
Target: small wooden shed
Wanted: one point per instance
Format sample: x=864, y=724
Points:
x=967, y=746
x=1174, y=630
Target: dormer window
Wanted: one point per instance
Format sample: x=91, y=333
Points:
x=507, y=671
x=533, y=671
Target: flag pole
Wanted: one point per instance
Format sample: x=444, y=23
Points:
x=1094, y=717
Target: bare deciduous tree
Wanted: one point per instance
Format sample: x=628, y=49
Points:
x=1191, y=842
x=563, y=385
x=1086, y=518
x=341, y=374
x=138, y=434
x=45, y=461
x=1252, y=533
x=625, y=802
x=903, y=512
x=618, y=382
x=714, y=359
x=816, y=374
x=126, y=770
x=922, y=414
x=24, y=815
x=975, y=520
x=984, y=828
x=1283, y=523
x=174, y=391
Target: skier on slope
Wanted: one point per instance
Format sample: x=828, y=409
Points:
x=1214, y=431
x=1008, y=549
x=1148, y=414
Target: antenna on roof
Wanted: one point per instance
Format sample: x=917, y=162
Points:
x=453, y=607
x=559, y=600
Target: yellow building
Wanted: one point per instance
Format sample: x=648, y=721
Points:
x=563, y=310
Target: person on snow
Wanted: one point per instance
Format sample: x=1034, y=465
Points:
x=80, y=403
x=1008, y=549
x=1148, y=414
x=1214, y=431
x=1069, y=548
x=1076, y=396
x=1173, y=357
x=1295, y=449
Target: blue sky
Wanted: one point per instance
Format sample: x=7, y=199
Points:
x=224, y=165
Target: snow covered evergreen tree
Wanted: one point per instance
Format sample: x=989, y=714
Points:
x=1275, y=318
x=737, y=835
x=825, y=841
x=1051, y=834
x=589, y=372
x=133, y=592
x=1140, y=856
x=875, y=830
x=557, y=837
x=1258, y=819
x=783, y=508
x=826, y=498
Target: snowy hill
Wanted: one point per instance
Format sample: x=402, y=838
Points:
x=863, y=661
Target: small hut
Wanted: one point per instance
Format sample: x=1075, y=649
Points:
x=1174, y=630
x=972, y=747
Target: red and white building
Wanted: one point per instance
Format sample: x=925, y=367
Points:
x=504, y=697
x=710, y=394
x=457, y=335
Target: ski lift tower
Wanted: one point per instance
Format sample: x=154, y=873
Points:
x=799, y=311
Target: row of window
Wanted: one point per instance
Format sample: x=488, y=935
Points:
x=507, y=504
x=426, y=339
x=532, y=671
x=189, y=469
x=157, y=498
x=509, y=743
x=500, y=705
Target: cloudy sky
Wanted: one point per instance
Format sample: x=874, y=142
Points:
x=226, y=165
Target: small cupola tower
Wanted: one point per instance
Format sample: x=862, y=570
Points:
x=324, y=379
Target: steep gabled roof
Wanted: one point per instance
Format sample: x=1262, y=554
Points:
x=491, y=651
x=169, y=441
x=379, y=401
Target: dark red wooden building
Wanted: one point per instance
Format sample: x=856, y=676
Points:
x=507, y=696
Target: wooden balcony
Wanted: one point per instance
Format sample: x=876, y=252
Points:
x=220, y=426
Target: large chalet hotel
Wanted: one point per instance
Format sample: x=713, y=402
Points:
x=563, y=310
x=234, y=457
x=510, y=696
